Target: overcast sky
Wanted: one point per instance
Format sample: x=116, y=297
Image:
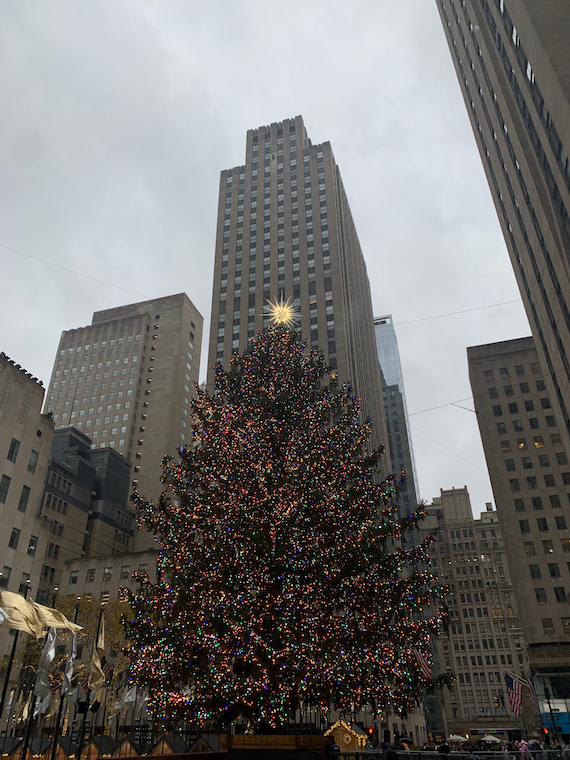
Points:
x=118, y=115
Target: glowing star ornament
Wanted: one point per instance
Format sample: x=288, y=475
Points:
x=281, y=312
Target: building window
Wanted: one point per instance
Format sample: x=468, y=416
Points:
x=532, y=483
x=497, y=411
x=5, y=576
x=510, y=464
x=555, y=501
x=33, y=461
x=538, y=442
x=548, y=626
x=519, y=505
x=537, y=503
x=524, y=526
x=501, y=428
x=504, y=373
x=513, y=408
x=90, y=577
x=540, y=595
x=517, y=426
x=535, y=572
x=548, y=547
x=125, y=572
x=73, y=575
x=13, y=450
x=32, y=545
x=24, y=497
x=488, y=374
x=4, y=486
x=505, y=445
x=529, y=546
x=554, y=570
x=514, y=484
x=14, y=538
x=542, y=524
x=560, y=593
x=561, y=523
x=107, y=574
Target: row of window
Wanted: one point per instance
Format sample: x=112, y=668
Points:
x=5, y=482
x=532, y=481
x=518, y=425
x=78, y=349
x=524, y=388
x=542, y=525
x=553, y=570
x=13, y=451
x=125, y=573
x=514, y=408
x=537, y=503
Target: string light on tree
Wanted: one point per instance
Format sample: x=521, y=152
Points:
x=281, y=579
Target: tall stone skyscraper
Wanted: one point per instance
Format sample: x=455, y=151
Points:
x=126, y=380
x=396, y=412
x=285, y=230
x=513, y=63
x=530, y=474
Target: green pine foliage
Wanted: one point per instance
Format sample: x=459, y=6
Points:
x=281, y=579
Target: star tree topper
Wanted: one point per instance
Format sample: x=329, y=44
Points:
x=281, y=312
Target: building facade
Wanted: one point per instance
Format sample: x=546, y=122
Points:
x=530, y=474
x=126, y=381
x=484, y=637
x=513, y=63
x=25, y=440
x=396, y=412
x=285, y=230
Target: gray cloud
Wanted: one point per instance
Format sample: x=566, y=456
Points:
x=118, y=117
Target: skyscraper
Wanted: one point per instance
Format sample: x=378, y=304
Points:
x=126, y=382
x=396, y=411
x=530, y=474
x=285, y=230
x=513, y=63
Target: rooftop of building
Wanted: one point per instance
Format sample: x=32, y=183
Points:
x=27, y=375
x=501, y=347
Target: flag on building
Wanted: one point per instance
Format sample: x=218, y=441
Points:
x=424, y=665
x=514, y=694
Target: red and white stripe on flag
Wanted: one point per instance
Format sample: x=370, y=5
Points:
x=424, y=665
x=514, y=694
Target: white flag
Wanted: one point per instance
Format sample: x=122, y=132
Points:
x=48, y=653
x=128, y=698
x=68, y=673
x=42, y=704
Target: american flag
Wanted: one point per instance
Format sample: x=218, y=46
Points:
x=106, y=667
x=424, y=665
x=514, y=694
x=533, y=697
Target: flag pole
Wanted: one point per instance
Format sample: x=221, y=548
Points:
x=61, y=703
x=34, y=699
x=84, y=720
x=10, y=664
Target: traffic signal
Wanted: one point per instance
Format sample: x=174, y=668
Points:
x=370, y=731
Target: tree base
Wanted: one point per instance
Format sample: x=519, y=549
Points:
x=276, y=746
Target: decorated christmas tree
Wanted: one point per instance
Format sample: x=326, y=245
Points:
x=281, y=580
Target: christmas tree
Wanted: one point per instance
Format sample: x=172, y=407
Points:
x=281, y=580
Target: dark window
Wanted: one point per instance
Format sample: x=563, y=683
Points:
x=560, y=522
x=548, y=625
x=497, y=411
x=527, y=463
x=13, y=450
x=24, y=496
x=5, y=576
x=554, y=570
x=537, y=503
x=33, y=461
x=550, y=421
x=14, y=538
x=506, y=445
x=504, y=373
x=529, y=406
x=514, y=484
x=561, y=458
x=32, y=545
x=566, y=478
x=540, y=595
x=542, y=524
x=532, y=482
x=524, y=388
x=560, y=593
x=501, y=428
x=488, y=374
x=543, y=460
x=540, y=386
x=535, y=572
x=508, y=390
x=517, y=426
x=533, y=421
x=493, y=393
x=549, y=481
x=555, y=501
x=519, y=505
x=519, y=369
x=524, y=526
x=4, y=486
x=545, y=403
x=513, y=408
x=510, y=464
